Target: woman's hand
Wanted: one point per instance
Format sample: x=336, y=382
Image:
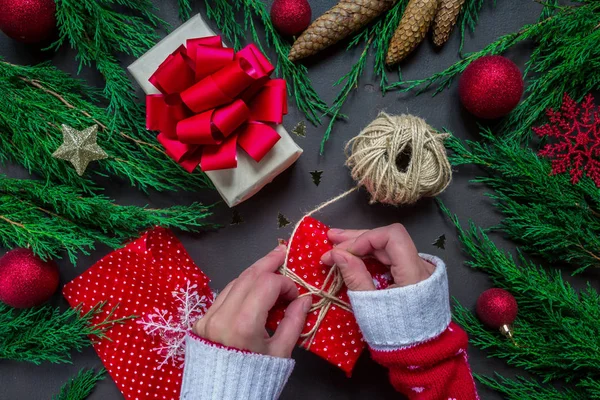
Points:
x=391, y=245
x=238, y=316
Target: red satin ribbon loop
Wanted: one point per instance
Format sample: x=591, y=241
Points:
x=213, y=99
x=258, y=139
x=220, y=157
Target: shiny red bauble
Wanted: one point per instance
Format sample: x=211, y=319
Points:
x=26, y=280
x=496, y=308
x=491, y=87
x=291, y=17
x=29, y=21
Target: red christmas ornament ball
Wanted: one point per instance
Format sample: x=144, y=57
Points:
x=497, y=307
x=29, y=21
x=26, y=280
x=291, y=17
x=491, y=87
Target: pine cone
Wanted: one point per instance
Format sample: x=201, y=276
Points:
x=340, y=21
x=412, y=29
x=445, y=20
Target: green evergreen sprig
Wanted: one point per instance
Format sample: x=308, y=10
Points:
x=557, y=328
x=468, y=19
x=45, y=334
x=80, y=386
x=100, y=31
x=528, y=389
x=546, y=214
x=185, y=9
x=225, y=13
x=36, y=100
x=53, y=219
x=564, y=60
x=376, y=37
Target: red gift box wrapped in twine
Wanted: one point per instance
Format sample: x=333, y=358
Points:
x=213, y=99
x=330, y=330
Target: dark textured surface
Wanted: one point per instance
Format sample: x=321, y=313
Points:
x=225, y=253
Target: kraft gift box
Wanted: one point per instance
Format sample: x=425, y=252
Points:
x=236, y=184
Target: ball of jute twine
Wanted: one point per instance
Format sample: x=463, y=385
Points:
x=373, y=155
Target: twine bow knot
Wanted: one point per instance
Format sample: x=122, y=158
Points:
x=328, y=294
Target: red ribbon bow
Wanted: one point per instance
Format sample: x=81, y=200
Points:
x=213, y=99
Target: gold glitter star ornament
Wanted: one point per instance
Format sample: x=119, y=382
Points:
x=79, y=147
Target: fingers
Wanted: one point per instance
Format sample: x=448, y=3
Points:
x=338, y=236
x=392, y=239
x=288, y=332
x=271, y=262
x=265, y=293
x=353, y=270
x=248, y=278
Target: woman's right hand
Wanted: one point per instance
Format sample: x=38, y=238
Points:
x=391, y=245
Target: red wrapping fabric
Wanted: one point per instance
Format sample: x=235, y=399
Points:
x=338, y=339
x=213, y=99
x=138, y=279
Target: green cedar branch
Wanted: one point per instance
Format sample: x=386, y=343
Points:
x=377, y=37
x=225, y=14
x=557, y=327
x=80, y=386
x=185, y=9
x=36, y=100
x=564, y=60
x=528, y=389
x=546, y=214
x=468, y=18
x=53, y=219
x=45, y=334
x=100, y=31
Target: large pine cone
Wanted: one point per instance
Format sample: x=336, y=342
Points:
x=445, y=20
x=340, y=21
x=412, y=29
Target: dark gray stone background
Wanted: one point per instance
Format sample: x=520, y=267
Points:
x=223, y=254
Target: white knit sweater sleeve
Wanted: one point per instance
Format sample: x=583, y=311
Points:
x=403, y=316
x=214, y=372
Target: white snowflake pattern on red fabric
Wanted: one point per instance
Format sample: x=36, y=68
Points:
x=172, y=328
x=136, y=280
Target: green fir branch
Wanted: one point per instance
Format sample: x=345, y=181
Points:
x=225, y=14
x=185, y=9
x=564, y=60
x=557, y=330
x=52, y=219
x=468, y=18
x=37, y=100
x=45, y=334
x=592, y=388
x=100, y=31
x=546, y=214
x=528, y=389
x=80, y=386
x=350, y=81
x=376, y=36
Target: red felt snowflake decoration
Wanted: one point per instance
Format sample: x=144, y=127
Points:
x=577, y=128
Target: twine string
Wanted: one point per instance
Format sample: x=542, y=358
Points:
x=331, y=287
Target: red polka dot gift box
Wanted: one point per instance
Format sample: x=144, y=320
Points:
x=331, y=331
x=154, y=279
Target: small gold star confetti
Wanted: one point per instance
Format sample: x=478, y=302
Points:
x=300, y=129
x=79, y=147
